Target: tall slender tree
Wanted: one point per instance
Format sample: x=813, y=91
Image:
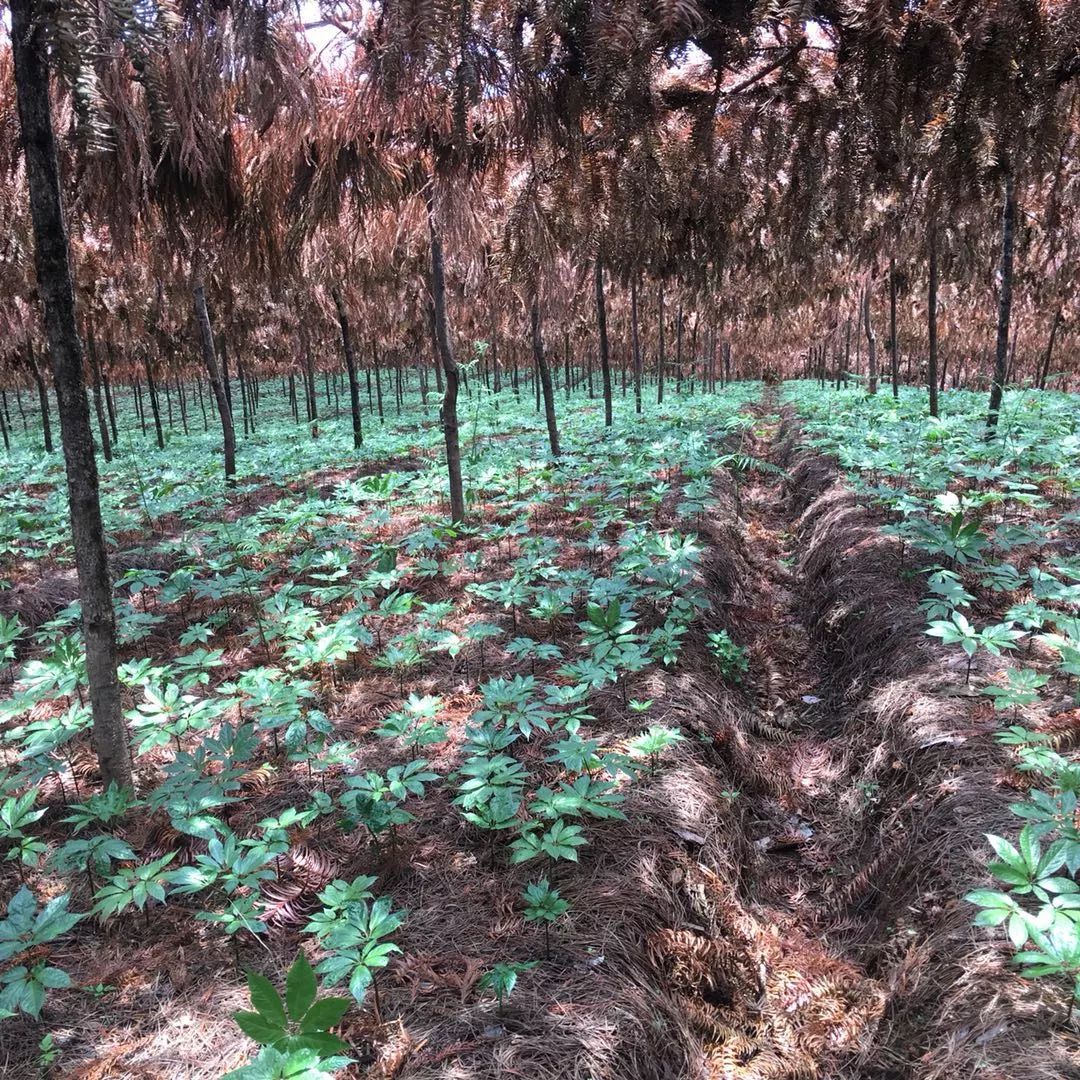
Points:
x=52, y=264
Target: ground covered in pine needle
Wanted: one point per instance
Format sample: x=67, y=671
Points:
x=782, y=899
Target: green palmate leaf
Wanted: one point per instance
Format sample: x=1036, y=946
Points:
x=324, y=1014
x=257, y=1027
x=301, y=989
x=266, y=1000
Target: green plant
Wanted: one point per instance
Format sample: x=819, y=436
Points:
x=17, y=814
x=48, y=1053
x=302, y=1064
x=652, y=743
x=354, y=935
x=502, y=979
x=958, y=631
x=559, y=840
x=732, y=659
x=22, y=932
x=543, y=904
x=302, y=1021
x=133, y=886
x=1022, y=688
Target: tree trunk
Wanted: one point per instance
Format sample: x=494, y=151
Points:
x=449, y=366
x=350, y=368
x=214, y=373
x=566, y=362
x=99, y=408
x=226, y=381
x=871, y=345
x=378, y=379
x=1044, y=370
x=678, y=349
x=1001, y=357
x=894, y=355
x=660, y=353
x=58, y=300
x=931, y=324
x=107, y=383
x=545, y=379
x=636, y=345
x=43, y=396
x=153, y=400
x=601, y=326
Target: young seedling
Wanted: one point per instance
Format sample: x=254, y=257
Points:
x=502, y=979
x=543, y=904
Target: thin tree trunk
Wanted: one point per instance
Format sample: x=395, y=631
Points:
x=153, y=400
x=227, y=382
x=378, y=379
x=1001, y=356
x=660, y=358
x=107, y=384
x=931, y=324
x=636, y=345
x=58, y=300
x=894, y=355
x=678, y=349
x=545, y=379
x=183, y=402
x=871, y=344
x=449, y=366
x=43, y=396
x=601, y=326
x=566, y=362
x=214, y=373
x=136, y=392
x=1044, y=370
x=99, y=408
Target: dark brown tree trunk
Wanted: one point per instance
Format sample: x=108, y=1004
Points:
x=222, y=345
x=678, y=350
x=307, y=374
x=1001, y=356
x=378, y=378
x=153, y=400
x=183, y=402
x=58, y=300
x=449, y=366
x=545, y=379
x=43, y=396
x=107, y=383
x=1044, y=370
x=871, y=345
x=931, y=321
x=635, y=340
x=660, y=358
x=214, y=373
x=566, y=362
x=99, y=408
x=601, y=326
x=894, y=355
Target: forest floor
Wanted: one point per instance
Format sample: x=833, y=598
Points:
x=781, y=901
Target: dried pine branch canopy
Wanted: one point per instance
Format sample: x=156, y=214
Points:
x=457, y=529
